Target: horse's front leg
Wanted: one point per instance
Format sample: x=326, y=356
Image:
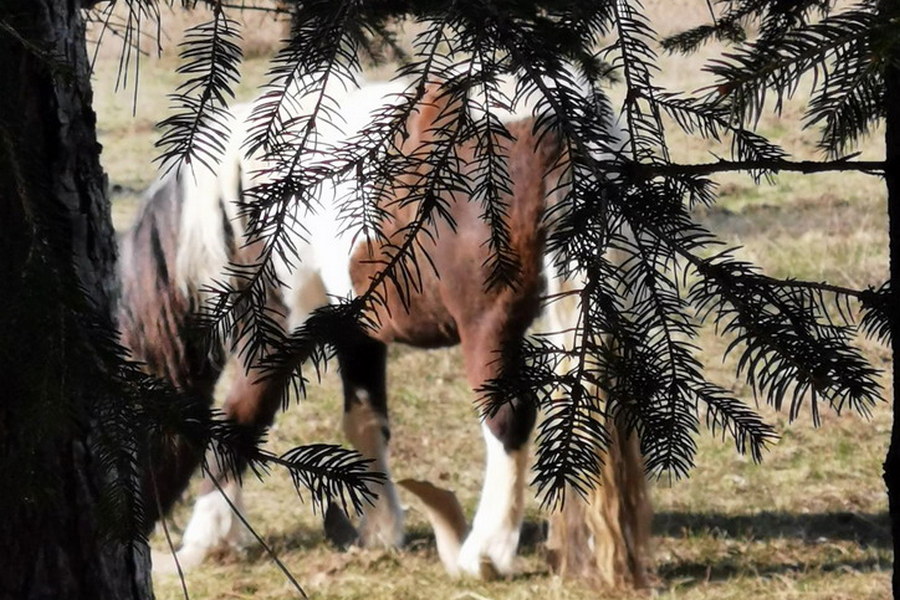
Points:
x=490, y=548
x=363, y=363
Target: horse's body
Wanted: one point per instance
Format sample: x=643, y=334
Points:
x=453, y=303
x=189, y=230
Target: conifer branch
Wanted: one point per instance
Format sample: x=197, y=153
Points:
x=639, y=171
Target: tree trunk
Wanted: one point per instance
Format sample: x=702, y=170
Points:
x=888, y=9
x=57, y=258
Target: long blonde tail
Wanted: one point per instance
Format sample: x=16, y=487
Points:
x=605, y=537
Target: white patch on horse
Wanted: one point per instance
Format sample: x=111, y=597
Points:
x=382, y=523
x=305, y=294
x=492, y=542
x=213, y=526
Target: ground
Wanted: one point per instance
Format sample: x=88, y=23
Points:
x=810, y=522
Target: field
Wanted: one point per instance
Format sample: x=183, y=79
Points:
x=810, y=522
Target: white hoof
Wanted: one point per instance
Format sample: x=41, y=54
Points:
x=489, y=559
x=213, y=527
x=164, y=563
x=490, y=548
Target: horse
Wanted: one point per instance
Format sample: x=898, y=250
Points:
x=190, y=229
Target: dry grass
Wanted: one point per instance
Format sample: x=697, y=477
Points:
x=808, y=523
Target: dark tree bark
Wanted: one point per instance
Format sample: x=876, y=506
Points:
x=890, y=9
x=57, y=258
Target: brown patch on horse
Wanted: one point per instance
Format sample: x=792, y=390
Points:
x=453, y=300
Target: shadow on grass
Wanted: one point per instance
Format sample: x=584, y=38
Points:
x=534, y=534
x=863, y=528
x=866, y=530
x=730, y=568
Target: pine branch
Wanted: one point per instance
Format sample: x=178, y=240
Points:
x=712, y=119
x=730, y=416
x=636, y=59
x=331, y=474
x=778, y=18
x=747, y=75
x=573, y=437
x=877, y=313
x=849, y=101
x=788, y=350
x=637, y=208
x=201, y=123
x=491, y=175
x=638, y=171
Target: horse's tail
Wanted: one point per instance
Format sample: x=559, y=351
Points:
x=607, y=536
x=183, y=239
x=186, y=234
x=155, y=324
x=155, y=310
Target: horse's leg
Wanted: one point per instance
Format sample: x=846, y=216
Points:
x=251, y=403
x=490, y=547
x=363, y=364
x=169, y=467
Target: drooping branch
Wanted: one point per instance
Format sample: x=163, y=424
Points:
x=649, y=171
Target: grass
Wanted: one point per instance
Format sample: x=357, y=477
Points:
x=810, y=522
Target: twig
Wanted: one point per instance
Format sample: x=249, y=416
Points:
x=649, y=171
x=258, y=537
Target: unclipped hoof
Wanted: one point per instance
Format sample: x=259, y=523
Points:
x=483, y=569
x=374, y=533
x=338, y=528
x=375, y=538
x=473, y=563
x=189, y=557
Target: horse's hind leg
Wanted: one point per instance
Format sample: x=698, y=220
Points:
x=490, y=547
x=251, y=403
x=363, y=364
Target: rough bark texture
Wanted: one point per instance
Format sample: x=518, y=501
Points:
x=57, y=258
x=888, y=9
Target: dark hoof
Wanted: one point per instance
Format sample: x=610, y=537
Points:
x=338, y=528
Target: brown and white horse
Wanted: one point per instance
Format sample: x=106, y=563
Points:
x=190, y=229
